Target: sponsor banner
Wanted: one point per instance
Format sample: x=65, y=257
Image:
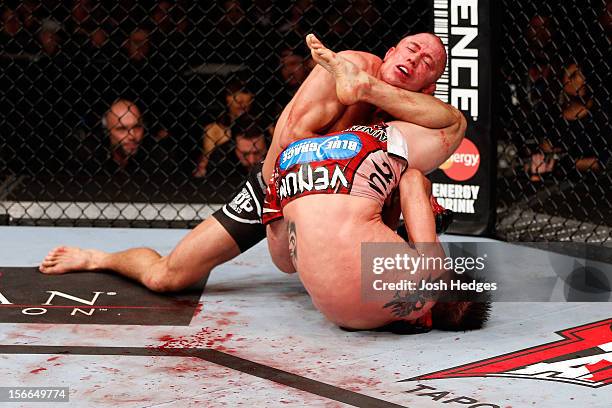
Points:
x=28, y=296
x=405, y=275
x=464, y=183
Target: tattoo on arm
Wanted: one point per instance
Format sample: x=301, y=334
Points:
x=292, y=234
x=403, y=304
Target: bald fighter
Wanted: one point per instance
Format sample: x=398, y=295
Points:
x=413, y=65
x=327, y=193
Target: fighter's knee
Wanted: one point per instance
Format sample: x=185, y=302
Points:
x=414, y=177
x=162, y=277
x=156, y=283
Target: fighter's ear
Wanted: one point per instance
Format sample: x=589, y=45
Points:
x=429, y=89
x=389, y=52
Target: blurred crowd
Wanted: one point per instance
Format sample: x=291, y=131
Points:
x=163, y=87
x=193, y=89
x=556, y=112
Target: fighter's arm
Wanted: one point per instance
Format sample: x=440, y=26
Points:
x=429, y=148
x=354, y=84
x=408, y=106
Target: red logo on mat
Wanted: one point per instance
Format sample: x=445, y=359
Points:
x=583, y=357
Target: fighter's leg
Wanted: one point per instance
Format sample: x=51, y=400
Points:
x=432, y=129
x=231, y=230
x=205, y=247
x=350, y=80
x=419, y=108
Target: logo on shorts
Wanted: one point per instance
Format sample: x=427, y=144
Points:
x=242, y=202
x=342, y=146
x=378, y=131
x=464, y=163
x=583, y=357
x=309, y=179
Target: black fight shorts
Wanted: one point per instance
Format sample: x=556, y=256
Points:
x=241, y=217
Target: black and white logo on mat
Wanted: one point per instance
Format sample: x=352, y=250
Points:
x=28, y=296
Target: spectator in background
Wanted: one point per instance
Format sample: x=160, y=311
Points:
x=27, y=14
x=125, y=129
x=129, y=149
x=49, y=37
x=89, y=36
x=169, y=45
x=161, y=17
x=337, y=29
x=120, y=151
x=568, y=131
x=233, y=16
x=14, y=39
x=11, y=25
x=364, y=12
x=98, y=37
x=364, y=15
x=541, y=69
x=231, y=38
x=298, y=23
x=169, y=17
x=137, y=46
x=147, y=78
x=294, y=67
x=535, y=92
x=169, y=29
x=581, y=138
x=80, y=15
x=539, y=37
x=576, y=104
x=231, y=162
x=238, y=101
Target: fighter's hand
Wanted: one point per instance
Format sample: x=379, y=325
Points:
x=350, y=80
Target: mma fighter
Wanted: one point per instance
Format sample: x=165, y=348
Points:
x=406, y=79
x=326, y=198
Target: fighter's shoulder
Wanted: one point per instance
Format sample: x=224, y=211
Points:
x=364, y=60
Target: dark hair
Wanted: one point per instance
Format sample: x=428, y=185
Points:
x=231, y=88
x=463, y=310
x=248, y=126
x=236, y=86
x=460, y=316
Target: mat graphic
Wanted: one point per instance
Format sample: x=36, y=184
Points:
x=583, y=357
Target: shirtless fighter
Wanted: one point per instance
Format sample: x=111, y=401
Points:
x=407, y=77
x=326, y=197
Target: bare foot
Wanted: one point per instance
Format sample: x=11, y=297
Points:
x=350, y=80
x=70, y=259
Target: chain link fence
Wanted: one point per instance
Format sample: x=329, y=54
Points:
x=554, y=138
x=149, y=113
